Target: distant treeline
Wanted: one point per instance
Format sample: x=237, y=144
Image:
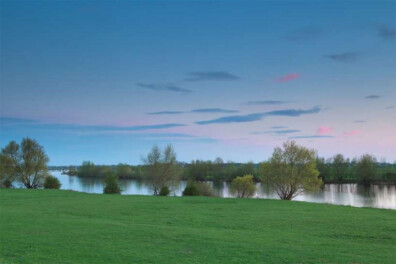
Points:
x=337, y=169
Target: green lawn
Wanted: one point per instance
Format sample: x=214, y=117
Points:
x=46, y=226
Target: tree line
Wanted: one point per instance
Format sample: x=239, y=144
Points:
x=290, y=170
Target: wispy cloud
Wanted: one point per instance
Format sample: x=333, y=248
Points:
x=294, y=112
x=213, y=110
x=386, y=32
x=288, y=77
x=343, y=57
x=323, y=130
x=16, y=120
x=350, y=133
x=165, y=113
x=211, y=76
x=278, y=132
x=373, y=96
x=199, y=110
x=163, y=87
x=390, y=107
x=360, y=121
x=259, y=116
x=278, y=127
x=312, y=136
x=266, y=102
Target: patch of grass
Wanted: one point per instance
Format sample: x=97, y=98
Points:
x=52, y=226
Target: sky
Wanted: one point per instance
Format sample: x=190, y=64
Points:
x=104, y=81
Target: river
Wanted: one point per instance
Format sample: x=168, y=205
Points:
x=377, y=196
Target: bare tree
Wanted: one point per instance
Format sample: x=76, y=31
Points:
x=162, y=168
x=26, y=162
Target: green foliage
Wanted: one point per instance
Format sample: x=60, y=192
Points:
x=243, y=187
x=366, y=169
x=291, y=170
x=51, y=182
x=26, y=163
x=195, y=188
x=111, y=184
x=6, y=173
x=164, y=191
x=191, y=190
x=143, y=229
x=124, y=171
x=339, y=166
x=161, y=168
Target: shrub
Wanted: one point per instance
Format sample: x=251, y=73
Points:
x=51, y=182
x=164, y=191
x=197, y=189
x=204, y=189
x=243, y=187
x=111, y=184
x=191, y=190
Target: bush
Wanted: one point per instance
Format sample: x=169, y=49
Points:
x=164, y=191
x=204, y=189
x=197, y=189
x=51, y=183
x=243, y=187
x=191, y=190
x=111, y=184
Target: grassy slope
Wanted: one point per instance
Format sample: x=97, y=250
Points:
x=44, y=226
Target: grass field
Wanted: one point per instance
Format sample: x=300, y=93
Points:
x=46, y=226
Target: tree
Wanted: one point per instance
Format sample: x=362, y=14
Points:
x=243, y=187
x=6, y=175
x=26, y=162
x=291, y=170
x=52, y=182
x=111, y=184
x=339, y=166
x=161, y=168
x=365, y=169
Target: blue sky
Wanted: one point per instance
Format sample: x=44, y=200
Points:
x=104, y=81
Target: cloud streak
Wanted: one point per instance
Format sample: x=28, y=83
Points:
x=266, y=102
x=288, y=77
x=213, y=110
x=259, y=116
x=163, y=87
x=278, y=132
x=323, y=130
x=373, y=96
x=386, y=32
x=343, y=57
x=312, y=136
x=165, y=113
x=211, y=76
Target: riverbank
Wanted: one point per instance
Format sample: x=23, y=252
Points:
x=48, y=226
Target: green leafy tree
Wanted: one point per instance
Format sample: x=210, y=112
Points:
x=27, y=162
x=243, y=187
x=161, y=168
x=339, y=167
x=6, y=174
x=365, y=169
x=111, y=184
x=291, y=170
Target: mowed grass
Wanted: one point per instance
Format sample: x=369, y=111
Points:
x=48, y=226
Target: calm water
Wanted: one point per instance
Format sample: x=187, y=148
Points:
x=379, y=196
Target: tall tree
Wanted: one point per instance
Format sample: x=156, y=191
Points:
x=26, y=162
x=291, y=170
x=162, y=168
x=365, y=169
x=339, y=167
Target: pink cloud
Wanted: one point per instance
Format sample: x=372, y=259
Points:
x=323, y=130
x=288, y=77
x=350, y=133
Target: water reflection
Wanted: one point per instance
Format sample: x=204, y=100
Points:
x=379, y=196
